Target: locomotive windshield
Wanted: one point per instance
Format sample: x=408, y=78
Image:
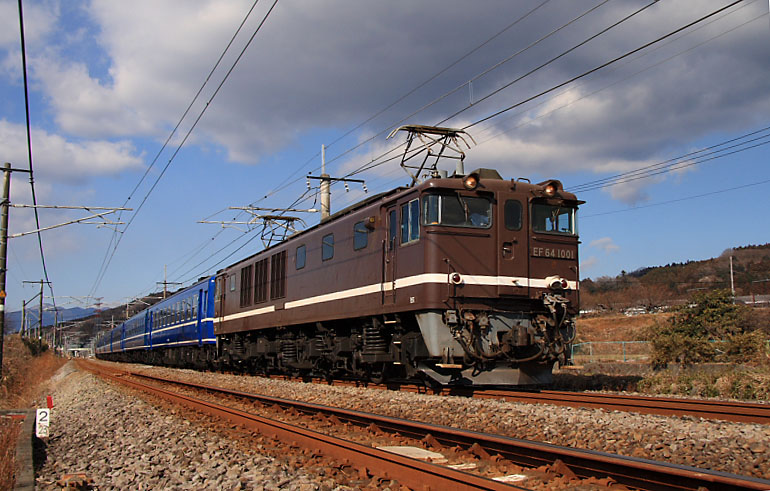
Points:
x=554, y=219
x=455, y=210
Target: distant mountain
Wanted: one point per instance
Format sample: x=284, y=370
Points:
x=674, y=283
x=13, y=319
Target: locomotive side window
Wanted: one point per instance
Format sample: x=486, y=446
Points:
x=260, y=281
x=512, y=215
x=278, y=275
x=232, y=282
x=300, y=257
x=457, y=211
x=327, y=247
x=360, y=236
x=410, y=221
x=246, y=286
x=553, y=219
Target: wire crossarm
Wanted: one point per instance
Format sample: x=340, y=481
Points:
x=104, y=222
x=273, y=228
x=449, y=140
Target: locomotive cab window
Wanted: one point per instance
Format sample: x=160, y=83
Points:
x=410, y=221
x=454, y=210
x=554, y=219
x=360, y=236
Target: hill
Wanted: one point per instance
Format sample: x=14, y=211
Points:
x=672, y=284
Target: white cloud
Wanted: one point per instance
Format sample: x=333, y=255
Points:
x=605, y=243
x=588, y=263
x=57, y=159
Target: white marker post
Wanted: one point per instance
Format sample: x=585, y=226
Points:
x=41, y=422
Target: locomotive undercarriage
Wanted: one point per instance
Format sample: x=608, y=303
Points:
x=466, y=346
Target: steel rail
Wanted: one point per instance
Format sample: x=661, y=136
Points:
x=630, y=471
x=741, y=412
x=744, y=412
x=409, y=472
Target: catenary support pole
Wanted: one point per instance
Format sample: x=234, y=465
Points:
x=4, y=252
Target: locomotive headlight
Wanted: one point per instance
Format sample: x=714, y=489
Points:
x=470, y=182
x=550, y=189
x=556, y=283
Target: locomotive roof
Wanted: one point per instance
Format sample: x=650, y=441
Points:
x=482, y=174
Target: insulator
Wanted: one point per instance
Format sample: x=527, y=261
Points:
x=364, y=186
x=308, y=184
x=347, y=189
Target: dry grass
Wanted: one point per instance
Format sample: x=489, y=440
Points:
x=23, y=373
x=617, y=327
x=22, y=377
x=9, y=434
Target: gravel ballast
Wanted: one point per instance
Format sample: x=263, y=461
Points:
x=122, y=442
x=737, y=448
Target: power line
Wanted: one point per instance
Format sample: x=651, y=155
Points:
x=603, y=65
x=679, y=163
x=634, y=74
x=686, y=198
x=184, y=140
x=173, y=132
x=29, y=150
x=466, y=83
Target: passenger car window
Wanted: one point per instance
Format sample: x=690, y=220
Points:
x=300, y=256
x=327, y=247
x=360, y=236
x=512, y=215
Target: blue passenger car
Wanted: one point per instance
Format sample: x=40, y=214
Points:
x=178, y=330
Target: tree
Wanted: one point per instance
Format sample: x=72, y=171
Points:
x=710, y=328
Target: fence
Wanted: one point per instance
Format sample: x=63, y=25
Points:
x=593, y=351
x=610, y=351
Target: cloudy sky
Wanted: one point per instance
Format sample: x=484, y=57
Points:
x=109, y=81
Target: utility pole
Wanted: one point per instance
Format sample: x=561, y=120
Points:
x=40, y=312
x=4, y=252
x=732, y=282
x=165, y=283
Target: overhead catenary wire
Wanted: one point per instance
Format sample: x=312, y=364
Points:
x=677, y=163
x=29, y=153
x=466, y=83
x=530, y=121
x=603, y=65
x=289, y=180
x=173, y=132
x=184, y=140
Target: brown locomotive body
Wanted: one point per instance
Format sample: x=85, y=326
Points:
x=466, y=280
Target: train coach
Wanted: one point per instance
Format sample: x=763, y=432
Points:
x=177, y=331
x=467, y=280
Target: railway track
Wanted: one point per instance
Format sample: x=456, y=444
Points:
x=741, y=412
x=596, y=466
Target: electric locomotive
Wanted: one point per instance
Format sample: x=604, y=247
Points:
x=468, y=279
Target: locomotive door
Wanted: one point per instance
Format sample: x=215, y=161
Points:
x=389, y=258
x=512, y=257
